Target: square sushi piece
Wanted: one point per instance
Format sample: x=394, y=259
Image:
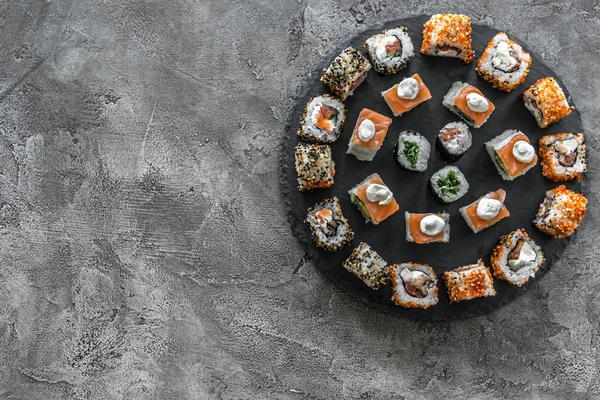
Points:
x=561, y=212
x=546, y=101
x=448, y=35
x=314, y=166
x=368, y=135
x=454, y=140
x=516, y=258
x=563, y=156
x=485, y=211
x=469, y=282
x=373, y=198
x=412, y=151
x=346, y=72
x=448, y=185
x=406, y=95
x=390, y=51
x=367, y=265
x=414, y=285
x=328, y=227
x=512, y=154
x=468, y=103
x=504, y=63
x=427, y=228
x=322, y=119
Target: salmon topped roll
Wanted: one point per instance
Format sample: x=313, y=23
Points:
x=346, y=72
x=328, y=226
x=406, y=95
x=369, y=133
x=512, y=154
x=314, y=166
x=561, y=212
x=468, y=103
x=322, y=119
x=427, y=228
x=486, y=211
x=546, y=101
x=374, y=200
x=368, y=266
x=414, y=285
x=563, y=156
x=516, y=258
x=469, y=282
x=390, y=51
x=448, y=35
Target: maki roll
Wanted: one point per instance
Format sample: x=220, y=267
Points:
x=346, y=72
x=406, y=95
x=504, y=63
x=512, y=154
x=390, y=51
x=516, y=258
x=414, y=285
x=368, y=136
x=448, y=185
x=314, y=166
x=546, y=101
x=561, y=212
x=468, y=103
x=427, y=228
x=368, y=266
x=322, y=119
x=412, y=151
x=563, y=156
x=448, y=35
x=469, y=282
x=453, y=141
x=373, y=198
x=485, y=211
x=329, y=229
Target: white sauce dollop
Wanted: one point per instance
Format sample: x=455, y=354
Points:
x=431, y=225
x=380, y=50
x=408, y=88
x=526, y=257
x=379, y=193
x=477, y=102
x=502, y=59
x=366, y=130
x=523, y=151
x=488, y=208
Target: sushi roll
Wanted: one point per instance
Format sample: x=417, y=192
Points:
x=448, y=185
x=469, y=282
x=329, y=229
x=368, y=135
x=406, y=95
x=346, y=72
x=412, y=151
x=561, y=212
x=373, y=198
x=448, y=35
x=390, y=51
x=368, y=266
x=516, y=258
x=485, y=211
x=546, y=101
x=468, y=103
x=454, y=140
x=322, y=119
x=427, y=228
x=563, y=156
x=414, y=285
x=504, y=63
x=512, y=154
x=314, y=166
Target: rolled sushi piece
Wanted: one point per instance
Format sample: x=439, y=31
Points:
x=561, y=212
x=346, y=72
x=368, y=266
x=406, y=95
x=453, y=141
x=547, y=102
x=414, y=285
x=390, y=51
x=322, y=119
x=504, y=63
x=448, y=35
x=563, y=156
x=469, y=282
x=516, y=258
x=328, y=227
x=314, y=166
x=374, y=199
x=485, y=211
x=412, y=151
x=427, y=228
x=369, y=133
x=448, y=185
x=512, y=154
x=469, y=103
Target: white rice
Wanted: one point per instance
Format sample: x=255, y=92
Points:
x=424, y=150
x=523, y=274
x=392, y=63
x=342, y=231
x=309, y=128
x=367, y=265
x=449, y=198
x=511, y=78
x=401, y=296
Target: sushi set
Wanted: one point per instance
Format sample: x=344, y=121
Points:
x=438, y=167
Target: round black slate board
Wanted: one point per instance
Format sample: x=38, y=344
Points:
x=410, y=189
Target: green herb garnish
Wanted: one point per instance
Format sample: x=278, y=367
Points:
x=411, y=152
x=449, y=184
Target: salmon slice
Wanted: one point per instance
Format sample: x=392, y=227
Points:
x=381, y=123
x=399, y=105
x=461, y=102
x=378, y=213
x=513, y=165
x=414, y=223
x=480, y=223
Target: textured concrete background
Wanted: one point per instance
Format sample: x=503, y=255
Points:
x=144, y=248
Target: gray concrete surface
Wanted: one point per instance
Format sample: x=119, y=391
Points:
x=144, y=248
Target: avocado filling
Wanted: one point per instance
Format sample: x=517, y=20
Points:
x=354, y=199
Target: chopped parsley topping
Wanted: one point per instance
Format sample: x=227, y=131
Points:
x=411, y=153
x=449, y=184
